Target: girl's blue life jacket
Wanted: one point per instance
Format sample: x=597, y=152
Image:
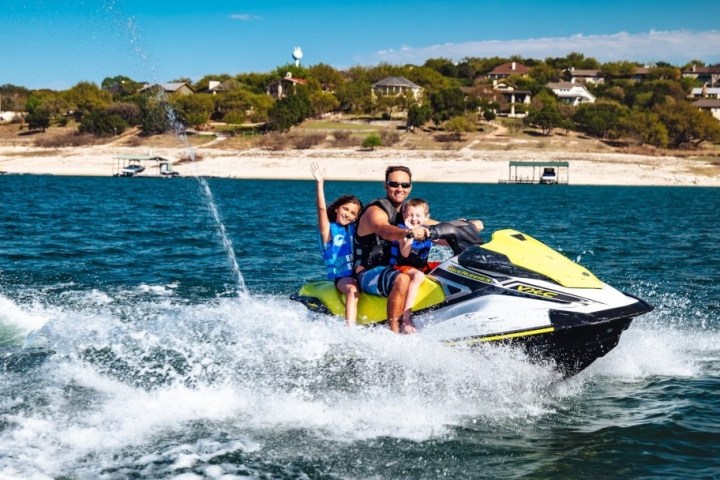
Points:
x=338, y=252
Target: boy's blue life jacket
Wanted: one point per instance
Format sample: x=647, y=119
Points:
x=418, y=255
x=338, y=252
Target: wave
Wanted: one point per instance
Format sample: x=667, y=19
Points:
x=123, y=370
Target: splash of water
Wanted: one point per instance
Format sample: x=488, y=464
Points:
x=128, y=24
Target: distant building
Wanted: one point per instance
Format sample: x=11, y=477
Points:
x=571, y=93
x=283, y=87
x=509, y=98
x=7, y=117
x=711, y=105
x=216, y=86
x=397, y=86
x=706, y=75
x=585, y=76
x=705, y=92
x=174, y=88
x=507, y=69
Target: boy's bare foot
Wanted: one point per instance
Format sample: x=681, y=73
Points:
x=407, y=326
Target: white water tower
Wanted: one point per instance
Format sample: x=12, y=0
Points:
x=297, y=55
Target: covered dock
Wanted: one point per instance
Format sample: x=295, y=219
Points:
x=127, y=166
x=538, y=172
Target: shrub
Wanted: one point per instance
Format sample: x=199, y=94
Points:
x=303, y=142
x=389, y=137
x=371, y=141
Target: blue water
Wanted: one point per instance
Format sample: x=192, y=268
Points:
x=167, y=363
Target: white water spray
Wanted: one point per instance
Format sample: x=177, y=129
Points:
x=135, y=40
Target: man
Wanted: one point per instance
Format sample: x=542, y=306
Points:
x=377, y=229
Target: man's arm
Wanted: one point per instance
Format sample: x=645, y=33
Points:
x=375, y=220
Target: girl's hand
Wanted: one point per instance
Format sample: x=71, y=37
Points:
x=317, y=172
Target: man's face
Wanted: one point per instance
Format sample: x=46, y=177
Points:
x=396, y=193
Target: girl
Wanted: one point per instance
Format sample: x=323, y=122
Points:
x=336, y=225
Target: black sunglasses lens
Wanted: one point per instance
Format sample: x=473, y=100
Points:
x=398, y=184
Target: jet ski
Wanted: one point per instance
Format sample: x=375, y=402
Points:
x=511, y=290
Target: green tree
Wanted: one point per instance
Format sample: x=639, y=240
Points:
x=686, y=125
x=13, y=97
x=371, y=141
x=355, y=97
x=194, y=110
x=38, y=119
x=323, y=102
x=459, y=125
x=86, y=97
x=156, y=117
x=546, y=118
x=128, y=111
x=120, y=86
x=600, y=119
x=418, y=115
x=101, y=123
x=446, y=104
x=645, y=127
x=543, y=73
x=290, y=110
x=327, y=78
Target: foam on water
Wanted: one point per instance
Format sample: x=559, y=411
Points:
x=128, y=372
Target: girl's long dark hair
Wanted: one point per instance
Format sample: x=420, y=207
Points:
x=332, y=216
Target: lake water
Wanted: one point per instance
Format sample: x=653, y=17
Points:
x=169, y=363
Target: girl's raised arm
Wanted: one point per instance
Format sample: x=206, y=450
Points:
x=323, y=220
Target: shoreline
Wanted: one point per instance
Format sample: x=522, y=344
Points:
x=468, y=165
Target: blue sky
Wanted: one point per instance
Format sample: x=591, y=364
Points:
x=58, y=43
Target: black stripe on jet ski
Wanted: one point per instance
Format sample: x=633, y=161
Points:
x=562, y=319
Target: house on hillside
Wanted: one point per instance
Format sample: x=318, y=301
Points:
x=571, y=93
x=711, y=105
x=216, y=86
x=175, y=88
x=283, y=87
x=509, y=98
x=507, y=69
x=705, y=92
x=583, y=76
x=397, y=86
x=706, y=75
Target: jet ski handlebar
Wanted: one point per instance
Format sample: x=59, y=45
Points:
x=459, y=234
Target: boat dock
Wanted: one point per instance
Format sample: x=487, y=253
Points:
x=538, y=172
x=137, y=165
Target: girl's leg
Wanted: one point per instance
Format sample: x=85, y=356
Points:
x=349, y=287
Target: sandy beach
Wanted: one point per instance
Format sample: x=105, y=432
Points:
x=464, y=165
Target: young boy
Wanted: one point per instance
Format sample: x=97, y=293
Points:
x=411, y=256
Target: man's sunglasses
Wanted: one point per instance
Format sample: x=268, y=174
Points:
x=399, y=184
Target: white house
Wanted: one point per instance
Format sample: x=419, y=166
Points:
x=571, y=93
x=396, y=86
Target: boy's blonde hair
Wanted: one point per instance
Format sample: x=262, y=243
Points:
x=416, y=202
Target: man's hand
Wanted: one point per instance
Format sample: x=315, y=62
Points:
x=420, y=233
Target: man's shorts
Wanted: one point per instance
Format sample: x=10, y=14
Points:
x=378, y=280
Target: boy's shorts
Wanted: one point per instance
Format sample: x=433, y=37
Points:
x=377, y=281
